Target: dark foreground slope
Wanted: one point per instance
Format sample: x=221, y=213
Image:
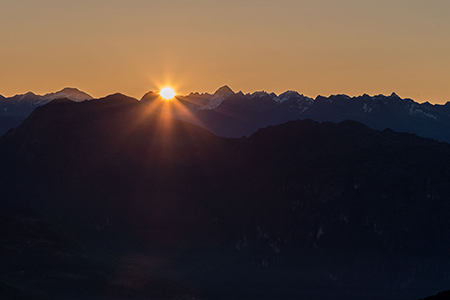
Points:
x=111, y=163
x=300, y=210
x=441, y=296
x=41, y=258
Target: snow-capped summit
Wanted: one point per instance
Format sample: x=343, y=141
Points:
x=289, y=95
x=261, y=94
x=219, y=96
x=36, y=100
x=73, y=94
x=22, y=105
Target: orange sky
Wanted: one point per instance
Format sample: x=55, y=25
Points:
x=315, y=47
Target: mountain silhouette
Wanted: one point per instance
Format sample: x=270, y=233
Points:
x=14, y=110
x=232, y=114
x=296, y=205
x=87, y=148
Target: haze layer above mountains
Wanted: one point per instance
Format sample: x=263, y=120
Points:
x=230, y=114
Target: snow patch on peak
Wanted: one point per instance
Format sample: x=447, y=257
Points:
x=367, y=108
x=261, y=94
x=288, y=95
x=214, y=102
x=219, y=96
x=275, y=98
x=69, y=93
x=414, y=109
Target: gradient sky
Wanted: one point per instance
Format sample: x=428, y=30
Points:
x=315, y=47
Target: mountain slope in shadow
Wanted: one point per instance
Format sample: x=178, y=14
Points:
x=320, y=210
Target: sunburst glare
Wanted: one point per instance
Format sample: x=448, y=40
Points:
x=167, y=93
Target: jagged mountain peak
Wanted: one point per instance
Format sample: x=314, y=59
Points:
x=289, y=93
x=394, y=95
x=218, y=97
x=224, y=91
x=257, y=94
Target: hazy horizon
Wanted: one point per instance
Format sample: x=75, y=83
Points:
x=203, y=92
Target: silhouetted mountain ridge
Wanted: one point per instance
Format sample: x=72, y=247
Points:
x=312, y=204
x=232, y=114
x=87, y=148
x=104, y=147
x=13, y=110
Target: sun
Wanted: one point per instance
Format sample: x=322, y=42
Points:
x=167, y=93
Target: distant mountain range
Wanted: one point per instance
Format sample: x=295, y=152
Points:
x=230, y=114
x=13, y=110
x=302, y=210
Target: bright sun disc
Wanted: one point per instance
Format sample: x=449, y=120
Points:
x=167, y=93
